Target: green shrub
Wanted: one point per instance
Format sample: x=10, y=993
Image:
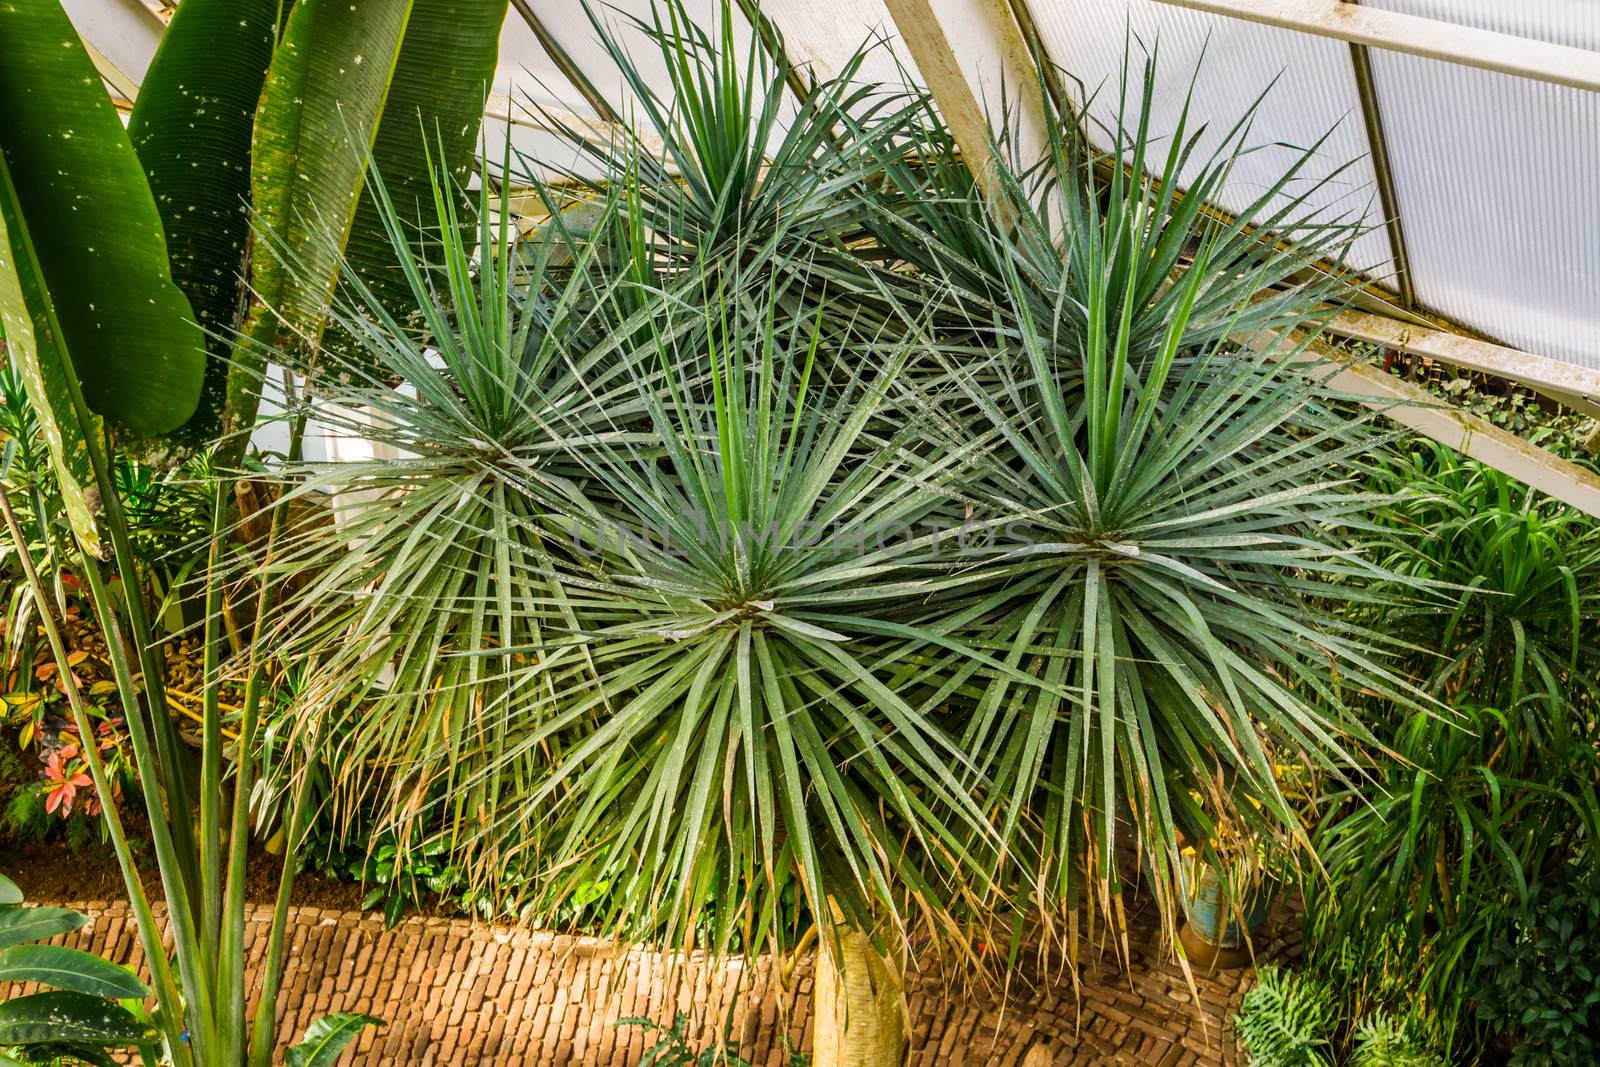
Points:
x=1291, y=1019
x=1287, y=1020
x=1425, y=859
x=1542, y=982
x=1385, y=1040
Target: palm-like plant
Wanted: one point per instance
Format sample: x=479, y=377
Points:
x=1176, y=517
x=1080, y=232
x=1424, y=862
x=588, y=551
x=634, y=610
x=619, y=611
x=729, y=175
x=436, y=566
x=750, y=660
x=1515, y=617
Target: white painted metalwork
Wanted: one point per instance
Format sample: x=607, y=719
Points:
x=1454, y=42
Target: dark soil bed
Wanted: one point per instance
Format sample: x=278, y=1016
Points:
x=50, y=870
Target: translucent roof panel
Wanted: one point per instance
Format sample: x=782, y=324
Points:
x=526, y=81
x=570, y=25
x=824, y=34
x=549, y=156
x=1312, y=92
x=526, y=71
x=1496, y=177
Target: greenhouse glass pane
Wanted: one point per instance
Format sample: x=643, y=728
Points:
x=1495, y=176
x=1309, y=84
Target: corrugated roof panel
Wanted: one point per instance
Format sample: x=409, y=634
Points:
x=526, y=71
x=570, y=25
x=826, y=33
x=1496, y=181
x=1312, y=91
x=1574, y=23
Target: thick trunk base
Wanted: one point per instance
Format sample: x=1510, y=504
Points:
x=858, y=1017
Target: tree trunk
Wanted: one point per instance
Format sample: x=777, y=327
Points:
x=858, y=1016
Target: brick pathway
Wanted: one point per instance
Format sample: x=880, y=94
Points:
x=455, y=993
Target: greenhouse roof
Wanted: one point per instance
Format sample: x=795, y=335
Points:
x=1462, y=132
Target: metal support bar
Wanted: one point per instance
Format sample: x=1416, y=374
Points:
x=564, y=63
x=1066, y=110
x=767, y=33
x=1378, y=149
x=1468, y=46
x=929, y=29
x=1576, y=387
x=125, y=88
x=1414, y=407
x=121, y=37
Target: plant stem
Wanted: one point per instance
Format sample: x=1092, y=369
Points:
x=211, y=832
x=169, y=767
x=263, y=1030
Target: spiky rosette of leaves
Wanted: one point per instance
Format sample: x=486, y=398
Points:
x=430, y=565
x=755, y=693
x=1173, y=525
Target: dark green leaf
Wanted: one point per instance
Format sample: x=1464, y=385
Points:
x=128, y=329
x=319, y=112
x=430, y=123
x=19, y=926
x=65, y=1016
x=191, y=126
x=327, y=1038
x=34, y=339
x=68, y=968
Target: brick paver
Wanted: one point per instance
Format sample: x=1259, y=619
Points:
x=462, y=994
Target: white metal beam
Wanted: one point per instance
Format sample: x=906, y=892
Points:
x=1566, y=383
x=1416, y=408
x=975, y=62
x=1431, y=38
x=124, y=87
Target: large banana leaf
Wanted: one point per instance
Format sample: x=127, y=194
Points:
x=33, y=339
x=434, y=111
x=60, y=967
x=314, y=128
x=61, y=1016
x=77, y=182
x=191, y=127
